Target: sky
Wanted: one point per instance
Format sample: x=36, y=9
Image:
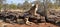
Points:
x=19, y=1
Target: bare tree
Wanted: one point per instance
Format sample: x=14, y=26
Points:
x=1, y=1
x=45, y=9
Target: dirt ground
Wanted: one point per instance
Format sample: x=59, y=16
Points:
x=32, y=25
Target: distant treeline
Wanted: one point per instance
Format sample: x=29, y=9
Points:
x=27, y=5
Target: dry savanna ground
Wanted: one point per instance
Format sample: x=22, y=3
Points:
x=2, y=24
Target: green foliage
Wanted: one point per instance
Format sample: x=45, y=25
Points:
x=0, y=6
x=13, y=6
x=18, y=6
x=26, y=5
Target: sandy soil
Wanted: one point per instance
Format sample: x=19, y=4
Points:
x=32, y=25
x=2, y=24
